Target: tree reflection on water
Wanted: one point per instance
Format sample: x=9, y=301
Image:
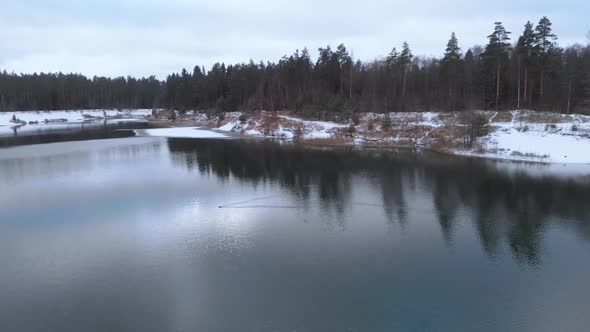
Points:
x=506, y=206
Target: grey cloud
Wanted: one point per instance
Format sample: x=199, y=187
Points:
x=156, y=36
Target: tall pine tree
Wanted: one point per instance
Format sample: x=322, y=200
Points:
x=496, y=57
x=524, y=50
x=405, y=59
x=546, y=48
x=451, y=70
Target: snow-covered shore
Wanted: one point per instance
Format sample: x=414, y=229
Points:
x=516, y=135
x=42, y=121
x=558, y=139
x=70, y=116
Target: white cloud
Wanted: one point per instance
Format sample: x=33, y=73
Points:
x=156, y=36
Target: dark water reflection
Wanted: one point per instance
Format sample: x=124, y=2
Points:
x=201, y=235
x=506, y=207
x=66, y=132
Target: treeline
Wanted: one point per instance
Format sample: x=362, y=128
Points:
x=531, y=71
x=74, y=91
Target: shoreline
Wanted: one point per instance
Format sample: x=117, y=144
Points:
x=522, y=134
x=518, y=136
x=384, y=147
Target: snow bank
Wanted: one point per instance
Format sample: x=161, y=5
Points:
x=561, y=147
x=283, y=126
x=180, y=132
x=315, y=129
x=70, y=116
x=567, y=142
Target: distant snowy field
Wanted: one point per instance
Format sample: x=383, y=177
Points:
x=51, y=120
x=70, y=116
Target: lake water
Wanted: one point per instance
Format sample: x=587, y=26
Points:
x=156, y=234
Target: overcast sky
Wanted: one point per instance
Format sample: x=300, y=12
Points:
x=156, y=37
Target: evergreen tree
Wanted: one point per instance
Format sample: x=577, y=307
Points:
x=586, y=66
x=546, y=48
x=345, y=62
x=391, y=66
x=496, y=57
x=525, y=48
x=404, y=59
x=450, y=70
x=494, y=77
x=469, y=74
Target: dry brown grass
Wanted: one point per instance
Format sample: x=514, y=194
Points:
x=403, y=119
x=542, y=117
x=446, y=138
x=503, y=116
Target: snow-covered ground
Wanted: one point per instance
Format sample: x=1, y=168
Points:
x=70, y=116
x=280, y=126
x=58, y=120
x=527, y=136
x=318, y=129
x=567, y=142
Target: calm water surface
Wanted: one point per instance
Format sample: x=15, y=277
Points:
x=155, y=234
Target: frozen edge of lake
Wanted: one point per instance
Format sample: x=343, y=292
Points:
x=181, y=132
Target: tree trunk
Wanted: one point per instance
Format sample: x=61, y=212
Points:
x=541, y=81
x=350, y=84
x=451, y=101
x=526, y=82
x=519, y=71
x=404, y=83
x=569, y=95
x=404, y=90
x=498, y=86
x=286, y=102
x=341, y=81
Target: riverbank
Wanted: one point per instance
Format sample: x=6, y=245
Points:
x=16, y=123
x=509, y=135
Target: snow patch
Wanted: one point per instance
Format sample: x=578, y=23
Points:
x=180, y=132
x=53, y=117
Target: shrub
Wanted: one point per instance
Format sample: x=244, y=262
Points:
x=386, y=122
x=298, y=132
x=351, y=129
x=478, y=123
x=243, y=118
x=523, y=129
x=336, y=103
